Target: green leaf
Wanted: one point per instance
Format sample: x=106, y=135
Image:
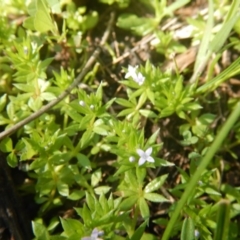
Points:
x=187, y=232
x=96, y=177
x=148, y=113
x=76, y=195
x=35, y=104
x=100, y=128
x=86, y=138
x=108, y=1
x=99, y=92
x=144, y=209
x=152, y=139
x=131, y=180
x=111, y=201
x=207, y=35
x=38, y=163
x=212, y=191
x=12, y=160
x=192, y=106
x=167, y=112
x=91, y=200
x=155, y=184
x=102, y=190
x=230, y=190
x=139, y=232
x=32, y=8
x=6, y=145
x=24, y=87
x=223, y=33
x=124, y=102
x=125, y=112
x=48, y=96
x=109, y=103
x=53, y=224
x=140, y=26
x=155, y=197
x=106, y=219
x=3, y=101
x=226, y=74
x=72, y=226
x=4, y=120
x=45, y=63
x=122, y=169
x=162, y=162
x=178, y=86
x=29, y=23
x=84, y=213
x=151, y=96
x=223, y=220
x=55, y=6
x=11, y=111
x=63, y=188
x=74, y=115
x=83, y=161
x=127, y=203
x=40, y=231
x=43, y=21
x=141, y=174
x=206, y=118
x=90, y=20
x=142, y=99
x=28, y=151
x=104, y=203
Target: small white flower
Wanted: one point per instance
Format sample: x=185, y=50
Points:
x=34, y=46
x=196, y=233
x=131, y=72
x=25, y=50
x=82, y=103
x=145, y=156
x=92, y=106
x=94, y=235
x=137, y=77
x=131, y=159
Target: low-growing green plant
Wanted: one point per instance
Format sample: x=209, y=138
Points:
x=110, y=157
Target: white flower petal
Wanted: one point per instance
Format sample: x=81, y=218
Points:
x=131, y=68
x=149, y=151
x=133, y=75
x=131, y=72
x=139, y=79
x=94, y=234
x=141, y=161
x=196, y=233
x=127, y=75
x=145, y=156
x=150, y=159
x=140, y=152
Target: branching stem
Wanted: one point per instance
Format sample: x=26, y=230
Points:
x=66, y=92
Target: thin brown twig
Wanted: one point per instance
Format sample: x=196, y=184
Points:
x=64, y=94
x=142, y=42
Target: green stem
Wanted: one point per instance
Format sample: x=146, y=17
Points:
x=204, y=163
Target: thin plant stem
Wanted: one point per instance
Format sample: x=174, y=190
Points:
x=65, y=93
